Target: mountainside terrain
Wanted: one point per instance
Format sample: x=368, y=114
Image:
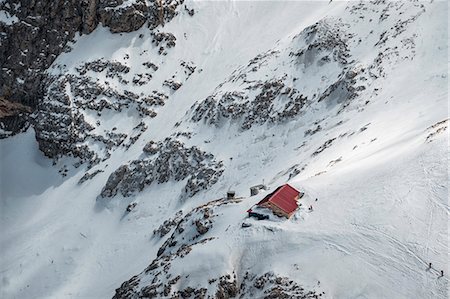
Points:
x=125, y=123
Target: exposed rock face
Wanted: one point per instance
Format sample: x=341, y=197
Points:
x=38, y=31
x=59, y=122
x=89, y=15
x=239, y=106
x=88, y=176
x=227, y=287
x=269, y=285
x=59, y=128
x=13, y=118
x=163, y=40
x=168, y=224
x=167, y=160
x=123, y=16
x=161, y=12
x=114, y=180
x=113, y=68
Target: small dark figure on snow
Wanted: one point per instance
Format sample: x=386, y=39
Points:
x=442, y=273
x=310, y=208
x=429, y=266
x=317, y=199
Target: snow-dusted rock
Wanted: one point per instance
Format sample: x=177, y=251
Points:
x=123, y=16
x=284, y=96
x=167, y=160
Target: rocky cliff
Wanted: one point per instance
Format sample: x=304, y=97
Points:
x=34, y=33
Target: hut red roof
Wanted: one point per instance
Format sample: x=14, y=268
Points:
x=284, y=197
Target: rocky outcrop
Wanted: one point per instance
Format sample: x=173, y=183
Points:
x=166, y=160
x=269, y=285
x=114, y=180
x=88, y=176
x=113, y=68
x=168, y=224
x=161, y=12
x=38, y=31
x=237, y=105
x=123, y=16
x=163, y=40
x=60, y=125
x=13, y=118
x=322, y=42
x=60, y=129
x=33, y=41
x=89, y=15
x=283, y=97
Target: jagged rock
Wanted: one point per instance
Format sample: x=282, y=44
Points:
x=202, y=227
x=89, y=15
x=227, y=287
x=283, y=98
x=59, y=128
x=190, y=12
x=131, y=206
x=321, y=38
x=123, y=16
x=323, y=147
x=110, y=189
x=237, y=105
x=270, y=285
x=164, y=38
x=151, y=148
x=172, y=84
x=168, y=160
x=87, y=176
x=150, y=65
x=141, y=79
x=44, y=29
x=161, y=12
x=113, y=68
x=311, y=132
x=168, y=224
x=42, y=40
x=13, y=118
x=189, y=68
x=59, y=122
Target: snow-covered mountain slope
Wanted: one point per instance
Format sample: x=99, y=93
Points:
x=347, y=101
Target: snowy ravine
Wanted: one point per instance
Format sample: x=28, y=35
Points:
x=117, y=187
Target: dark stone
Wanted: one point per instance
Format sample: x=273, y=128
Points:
x=110, y=189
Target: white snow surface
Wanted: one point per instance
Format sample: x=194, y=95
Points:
x=382, y=211
x=7, y=19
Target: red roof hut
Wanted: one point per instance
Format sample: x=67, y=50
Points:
x=283, y=201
